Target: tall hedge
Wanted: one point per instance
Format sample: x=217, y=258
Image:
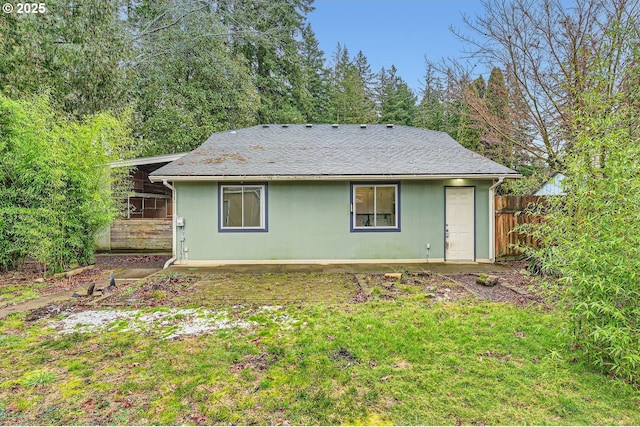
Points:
x=56, y=188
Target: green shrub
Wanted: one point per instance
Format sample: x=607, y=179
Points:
x=56, y=188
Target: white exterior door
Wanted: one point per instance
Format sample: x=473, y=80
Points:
x=460, y=224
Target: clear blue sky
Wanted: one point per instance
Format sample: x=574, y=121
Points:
x=393, y=32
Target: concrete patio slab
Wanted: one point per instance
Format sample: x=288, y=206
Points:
x=441, y=268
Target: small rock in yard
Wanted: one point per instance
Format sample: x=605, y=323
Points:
x=396, y=276
x=486, y=280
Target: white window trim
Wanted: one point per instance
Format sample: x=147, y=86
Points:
x=263, y=196
x=356, y=227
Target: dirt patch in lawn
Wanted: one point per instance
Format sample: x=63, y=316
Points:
x=257, y=362
x=157, y=290
x=27, y=283
x=513, y=287
x=131, y=261
x=51, y=310
x=422, y=286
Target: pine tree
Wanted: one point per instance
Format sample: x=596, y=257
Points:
x=430, y=113
x=350, y=102
x=314, y=97
x=368, y=77
x=499, y=146
x=397, y=102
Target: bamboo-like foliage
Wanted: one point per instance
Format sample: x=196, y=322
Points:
x=56, y=187
x=591, y=234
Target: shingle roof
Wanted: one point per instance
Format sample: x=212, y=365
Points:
x=330, y=150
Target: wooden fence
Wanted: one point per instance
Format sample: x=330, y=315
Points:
x=509, y=214
x=142, y=234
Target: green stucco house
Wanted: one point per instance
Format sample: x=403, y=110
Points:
x=332, y=194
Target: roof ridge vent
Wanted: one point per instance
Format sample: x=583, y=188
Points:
x=285, y=126
x=389, y=125
x=363, y=126
x=308, y=125
x=335, y=126
x=265, y=126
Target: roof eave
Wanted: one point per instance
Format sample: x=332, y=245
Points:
x=228, y=178
x=166, y=158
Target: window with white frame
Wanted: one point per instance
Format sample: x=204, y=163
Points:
x=242, y=207
x=375, y=207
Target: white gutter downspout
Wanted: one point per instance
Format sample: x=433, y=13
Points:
x=492, y=220
x=173, y=224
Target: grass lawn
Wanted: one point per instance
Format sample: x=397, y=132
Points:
x=17, y=293
x=409, y=359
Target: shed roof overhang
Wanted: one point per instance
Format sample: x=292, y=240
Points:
x=139, y=161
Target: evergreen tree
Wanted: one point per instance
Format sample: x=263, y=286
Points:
x=368, y=77
x=470, y=130
x=497, y=137
x=479, y=87
x=550, y=52
x=396, y=101
x=350, y=101
x=267, y=34
x=190, y=84
x=74, y=51
x=430, y=113
x=314, y=99
x=497, y=95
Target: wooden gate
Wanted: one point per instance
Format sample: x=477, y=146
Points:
x=509, y=211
